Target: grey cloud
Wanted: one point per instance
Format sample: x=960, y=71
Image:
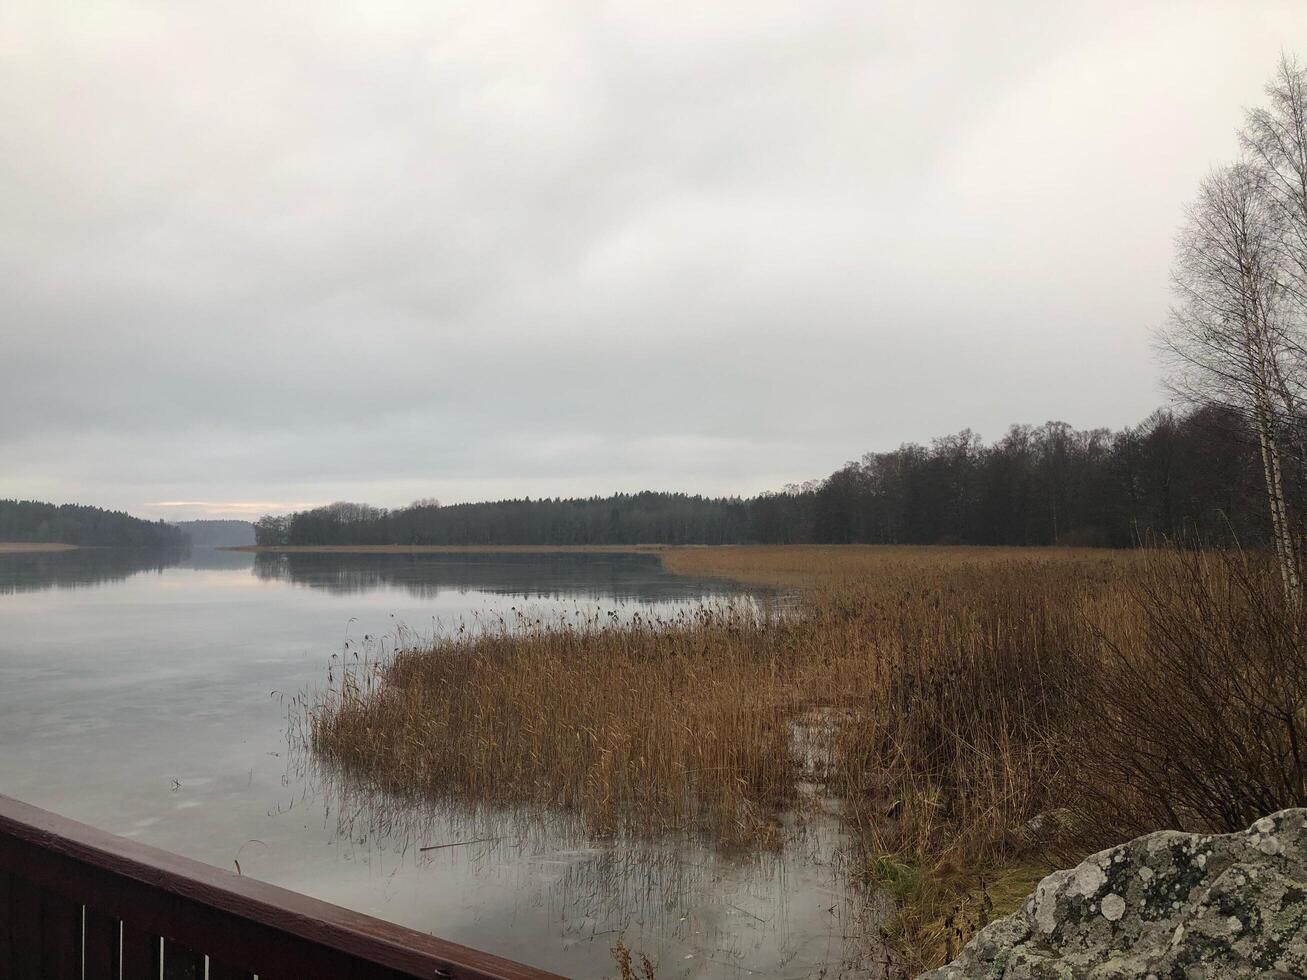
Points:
x=285, y=252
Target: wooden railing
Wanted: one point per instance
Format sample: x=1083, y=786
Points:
x=76, y=902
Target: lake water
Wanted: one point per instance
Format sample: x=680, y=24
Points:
x=143, y=693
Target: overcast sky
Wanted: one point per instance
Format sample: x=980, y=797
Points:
x=260, y=255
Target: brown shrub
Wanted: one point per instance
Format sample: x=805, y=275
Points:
x=1198, y=715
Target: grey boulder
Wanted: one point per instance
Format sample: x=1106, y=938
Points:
x=1166, y=906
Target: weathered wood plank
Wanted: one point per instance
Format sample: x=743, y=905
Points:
x=140, y=954
x=221, y=971
x=6, y=914
x=100, y=945
x=61, y=938
x=24, y=929
x=181, y=962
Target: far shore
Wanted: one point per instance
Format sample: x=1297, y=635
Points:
x=8, y=546
x=474, y=549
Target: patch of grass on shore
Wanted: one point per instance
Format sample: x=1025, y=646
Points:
x=981, y=714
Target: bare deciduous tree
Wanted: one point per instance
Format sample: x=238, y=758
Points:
x=1275, y=139
x=1231, y=335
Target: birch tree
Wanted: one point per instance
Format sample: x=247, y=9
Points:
x=1230, y=335
x=1275, y=140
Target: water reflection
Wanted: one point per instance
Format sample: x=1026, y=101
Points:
x=609, y=576
x=33, y=571
x=622, y=577
x=697, y=910
x=136, y=694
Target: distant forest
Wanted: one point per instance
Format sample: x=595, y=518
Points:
x=32, y=520
x=218, y=534
x=1173, y=474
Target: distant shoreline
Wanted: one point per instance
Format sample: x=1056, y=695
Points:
x=474, y=549
x=18, y=546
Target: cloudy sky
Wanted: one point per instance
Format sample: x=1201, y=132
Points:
x=257, y=255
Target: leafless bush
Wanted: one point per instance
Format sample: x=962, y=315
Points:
x=1199, y=711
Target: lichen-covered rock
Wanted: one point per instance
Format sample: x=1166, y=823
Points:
x=1166, y=906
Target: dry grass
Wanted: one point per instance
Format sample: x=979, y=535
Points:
x=667, y=724
x=953, y=698
x=807, y=566
x=31, y=546
x=626, y=968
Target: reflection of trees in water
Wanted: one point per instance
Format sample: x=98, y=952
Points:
x=676, y=887
x=38, y=571
x=535, y=576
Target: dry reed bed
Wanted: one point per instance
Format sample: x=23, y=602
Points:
x=659, y=723
x=963, y=694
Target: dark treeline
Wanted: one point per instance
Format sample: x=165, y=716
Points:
x=32, y=520
x=1172, y=475
x=666, y=518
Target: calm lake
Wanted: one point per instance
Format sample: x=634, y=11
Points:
x=143, y=693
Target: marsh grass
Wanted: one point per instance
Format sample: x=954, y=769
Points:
x=626, y=967
x=979, y=715
x=657, y=724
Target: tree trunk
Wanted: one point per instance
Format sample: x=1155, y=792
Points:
x=1286, y=550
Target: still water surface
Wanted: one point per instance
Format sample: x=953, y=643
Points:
x=143, y=693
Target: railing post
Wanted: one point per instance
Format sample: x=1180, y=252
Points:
x=6, y=917
x=61, y=938
x=24, y=928
x=140, y=954
x=99, y=944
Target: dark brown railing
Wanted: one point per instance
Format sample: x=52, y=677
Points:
x=76, y=902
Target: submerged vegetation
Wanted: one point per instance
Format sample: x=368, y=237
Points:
x=976, y=715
